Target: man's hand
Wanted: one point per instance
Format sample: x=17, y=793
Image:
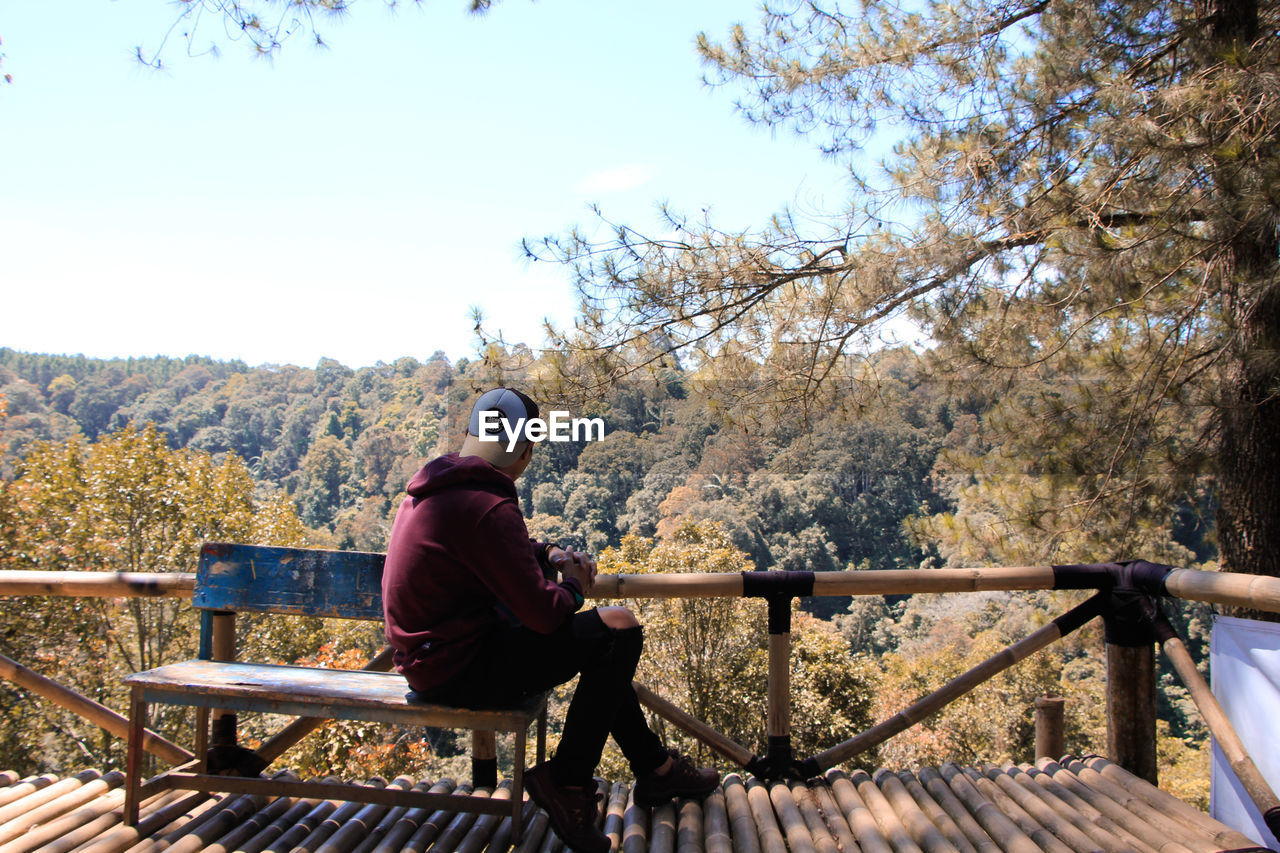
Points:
x=574, y=564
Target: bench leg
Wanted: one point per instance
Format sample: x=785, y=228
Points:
x=484, y=759
x=517, y=787
x=202, y=739
x=542, y=736
x=133, y=756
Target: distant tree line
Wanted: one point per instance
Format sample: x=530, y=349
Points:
x=685, y=479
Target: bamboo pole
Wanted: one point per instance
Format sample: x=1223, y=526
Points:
x=715, y=821
x=683, y=585
x=223, y=646
x=997, y=824
x=484, y=758
x=1223, y=835
x=937, y=814
x=941, y=793
x=219, y=825
x=358, y=826
x=862, y=823
x=691, y=724
x=1085, y=807
x=98, y=584
x=1101, y=837
x=407, y=824
x=1041, y=813
x=743, y=827
x=443, y=827
x=252, y=825
x=26, y=786
x=794, y=828
x=1131, y=708
x=1162, y=838
x=635, y=826
x=778, y=719
x=166, y=812
x=662, y=827
x=882, y=810
x=922, y=830
x=806, y=801
x=297, y=812
x=1258, y=592
x=501, y=842
x=67, y=825
x=771, y=839
x=345, y=811
x=688, y=828
x=904, y=581
x=1168, y=825
x=484, y=828
x=1050, y=728
x=294, y=834
x=535, y=831
x=1233, y=749
x=38, y=799
x=17, y=826
x=96, y=713
x=379, y=830
x=960, y=685
x=1029, y=825
x=835, y=819
x=615, y=813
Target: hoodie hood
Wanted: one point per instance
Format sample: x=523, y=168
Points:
x=452, y=470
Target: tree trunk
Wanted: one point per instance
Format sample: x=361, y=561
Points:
x=1249, y=409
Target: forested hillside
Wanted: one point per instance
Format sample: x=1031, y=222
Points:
x=685, y=479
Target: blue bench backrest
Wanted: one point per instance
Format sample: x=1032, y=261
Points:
x=296, y=581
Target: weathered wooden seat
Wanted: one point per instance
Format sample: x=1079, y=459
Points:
x=241, y=578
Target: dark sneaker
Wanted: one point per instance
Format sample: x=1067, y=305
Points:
x=682, y=780
x=572, y=810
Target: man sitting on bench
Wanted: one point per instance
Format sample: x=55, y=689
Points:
x=476, y=622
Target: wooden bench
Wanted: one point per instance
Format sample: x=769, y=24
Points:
x=243, y=578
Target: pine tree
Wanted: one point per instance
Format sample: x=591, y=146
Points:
x=1080, y=189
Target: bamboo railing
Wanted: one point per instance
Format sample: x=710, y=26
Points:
x=1120, y=587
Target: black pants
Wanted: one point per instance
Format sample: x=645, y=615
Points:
x=516, y=662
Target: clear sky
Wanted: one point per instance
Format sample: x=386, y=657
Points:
x=356, y=201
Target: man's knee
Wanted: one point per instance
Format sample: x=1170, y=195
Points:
x=618, y=618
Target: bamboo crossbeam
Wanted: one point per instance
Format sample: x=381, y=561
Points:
x=691, y=724
x=1259, y=592
x=1233, y=749
x=94, y=712
x=98, y=584
x=960, y=685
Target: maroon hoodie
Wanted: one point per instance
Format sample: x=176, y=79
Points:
x=458, y=549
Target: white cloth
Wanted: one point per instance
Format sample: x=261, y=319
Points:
x=1244, y=657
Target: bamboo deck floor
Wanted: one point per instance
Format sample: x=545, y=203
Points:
x=1075, y=806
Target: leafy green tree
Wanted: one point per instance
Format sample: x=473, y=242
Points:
x=124, y=503
x=1084, y=187
x=709, y=656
